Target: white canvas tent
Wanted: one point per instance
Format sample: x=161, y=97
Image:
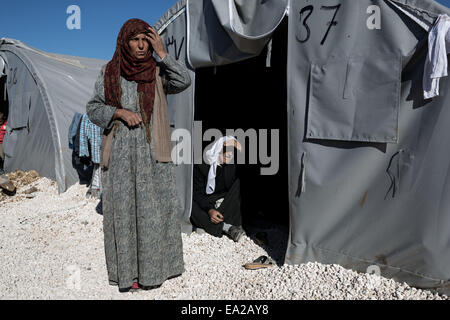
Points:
x=44, y=91
x=366, y=155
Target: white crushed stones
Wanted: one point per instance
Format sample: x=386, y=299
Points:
x=51, y=247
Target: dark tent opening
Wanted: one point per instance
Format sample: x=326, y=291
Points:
x=252, y=95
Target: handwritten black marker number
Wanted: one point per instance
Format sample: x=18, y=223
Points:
x=306, y=12
x=331, y=23
x=308, y=31
x=171, y=41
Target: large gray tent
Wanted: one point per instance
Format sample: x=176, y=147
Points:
x=44, y=92
x=367, y=157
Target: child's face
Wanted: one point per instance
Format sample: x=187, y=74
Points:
x=226, y=157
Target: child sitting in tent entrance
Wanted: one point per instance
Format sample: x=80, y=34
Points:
x=216, y=205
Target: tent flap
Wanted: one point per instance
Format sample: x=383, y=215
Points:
x=249, y=19
x=222, y=32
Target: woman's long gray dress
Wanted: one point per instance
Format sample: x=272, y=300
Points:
x=139, y=197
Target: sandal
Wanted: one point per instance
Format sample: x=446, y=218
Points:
x=261, y=262
x=135, y=287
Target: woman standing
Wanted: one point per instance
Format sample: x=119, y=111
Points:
x=141, y=224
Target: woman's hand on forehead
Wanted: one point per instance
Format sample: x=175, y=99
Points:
x=156, y=42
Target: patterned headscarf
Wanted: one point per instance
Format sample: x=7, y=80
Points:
x=142, y=71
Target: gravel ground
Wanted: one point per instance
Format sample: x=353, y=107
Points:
x=51, y=247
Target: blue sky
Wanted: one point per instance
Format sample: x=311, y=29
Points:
x=445, y=2
x=42, y=24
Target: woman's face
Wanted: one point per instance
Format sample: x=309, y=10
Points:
x=139, y=46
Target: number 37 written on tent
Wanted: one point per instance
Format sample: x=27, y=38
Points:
x=304, y=30
x=74, y=20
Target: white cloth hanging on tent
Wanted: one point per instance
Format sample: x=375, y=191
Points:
x=212, y=157
x=436, y=62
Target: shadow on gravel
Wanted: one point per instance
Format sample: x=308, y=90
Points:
x=273, y=238
x=99, y=208
x=270, y=236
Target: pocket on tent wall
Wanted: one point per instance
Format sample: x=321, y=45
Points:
x=18, y=122
x=10, y=142
x=355, y=99
x=19, y=111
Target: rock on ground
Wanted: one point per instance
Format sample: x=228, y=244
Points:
x=51, y=247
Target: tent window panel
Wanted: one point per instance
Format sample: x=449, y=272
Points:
x=355, y=99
